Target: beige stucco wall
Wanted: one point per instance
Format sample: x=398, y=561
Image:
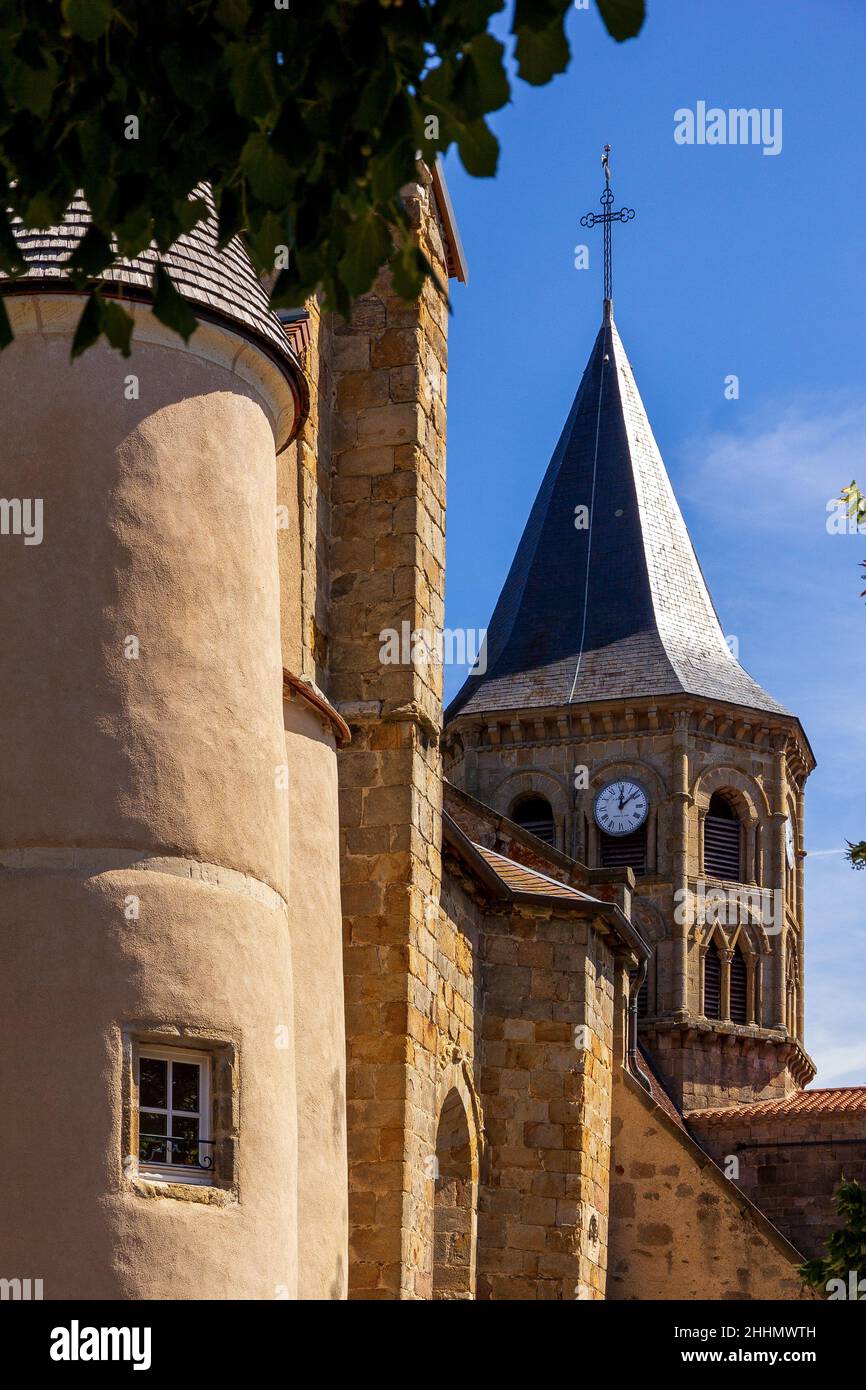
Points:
x=678, y=1228
x=159, y=523
x=317, y=953
x=74, y=975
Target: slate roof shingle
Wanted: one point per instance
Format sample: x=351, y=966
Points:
x=619, y=608
x=218, y=282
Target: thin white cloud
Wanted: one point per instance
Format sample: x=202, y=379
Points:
x=766, y=482
x=780, y=466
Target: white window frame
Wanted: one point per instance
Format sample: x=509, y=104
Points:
x=176, y=1172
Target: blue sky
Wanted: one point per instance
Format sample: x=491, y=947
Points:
x=737, y=263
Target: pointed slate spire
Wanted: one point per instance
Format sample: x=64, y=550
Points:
x=618, y=608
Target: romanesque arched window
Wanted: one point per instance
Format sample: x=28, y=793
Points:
x=790, y=869
x=453, y=1200
x=712, y=982
x=535, y=814
x=739, y=984
x=792, y=987
x=722, y=836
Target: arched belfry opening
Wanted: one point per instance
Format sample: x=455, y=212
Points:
x=792, y=987
x=535, y=814
x=712, y=981
x=722, y=840
x=454, y=1204
x=739, y=986
x=624, y=851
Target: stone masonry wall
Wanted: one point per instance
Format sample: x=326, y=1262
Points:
x=386, y=569
x=546, y=1050
x=791, y=1166
x=303, y=517
x=681, y=750
x=678, y=1227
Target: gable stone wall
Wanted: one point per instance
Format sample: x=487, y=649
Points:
x=679, y=1228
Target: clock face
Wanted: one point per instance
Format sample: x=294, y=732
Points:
x=621, y=807
x=789, y=842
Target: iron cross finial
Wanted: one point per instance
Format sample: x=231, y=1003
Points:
x=606, y=218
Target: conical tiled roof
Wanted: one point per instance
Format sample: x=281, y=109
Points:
x=618, y=608
x=216, y=282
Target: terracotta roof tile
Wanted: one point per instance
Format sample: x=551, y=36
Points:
x=835, y=1100
x=657, y=1090
x=520, y=879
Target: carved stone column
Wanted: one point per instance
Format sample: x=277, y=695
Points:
x=776, y=874
x=682, y=801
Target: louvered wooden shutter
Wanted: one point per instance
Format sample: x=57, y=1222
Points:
x=722, y=841
x=536, y=816
x=621, y=851
x=739, y=982
x=712, y=982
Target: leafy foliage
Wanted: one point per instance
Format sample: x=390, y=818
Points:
x=846, y=1246
x=856, y=854
x=304, y=117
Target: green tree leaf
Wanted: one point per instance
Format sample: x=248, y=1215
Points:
x=846, y=1246
x=306, y=118
x=89, y=325
x=6, y=336
x=92, y=254
x=856, y=854
x=117, y=326
x=479, y=149
x=541, y=54
x=233, y=14
x=369, y=246
x=89, y=19
x=266, y=169
x=31, y=89
x=481, y=84
x=623, y=18
x=170, y=307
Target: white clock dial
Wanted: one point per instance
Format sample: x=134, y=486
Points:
x=621, y=807
x=789, y=842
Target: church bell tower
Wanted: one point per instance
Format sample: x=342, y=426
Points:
x=613, y=720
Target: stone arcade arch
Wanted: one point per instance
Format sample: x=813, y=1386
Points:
x=747, y=800
x=454, y=1203
x=530, y=784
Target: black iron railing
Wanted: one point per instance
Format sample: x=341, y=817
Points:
x=177, y=1145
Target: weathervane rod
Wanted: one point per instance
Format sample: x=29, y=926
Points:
x=607, y=218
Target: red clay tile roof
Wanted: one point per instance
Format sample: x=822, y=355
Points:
x=520, y=879
x=834, y=1100
x=657, y=1090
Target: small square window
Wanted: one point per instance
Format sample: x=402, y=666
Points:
x=175, y=1139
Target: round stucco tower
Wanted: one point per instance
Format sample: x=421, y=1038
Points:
x=146, y=979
